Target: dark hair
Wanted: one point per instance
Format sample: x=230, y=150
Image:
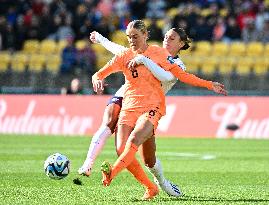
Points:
x=183, y=37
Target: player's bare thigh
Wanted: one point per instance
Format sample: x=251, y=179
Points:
x=123, y=132
x=111, y=116
x=147, y=149
x=142, y=132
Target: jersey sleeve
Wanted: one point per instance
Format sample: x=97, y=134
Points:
x=111, y=46
x=191, y=79
x=168, y=63
x=113, y=66
x=156, y=70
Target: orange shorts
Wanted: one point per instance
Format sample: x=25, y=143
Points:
x=130, y=118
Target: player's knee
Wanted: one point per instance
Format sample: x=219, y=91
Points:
x=136, y=139
x=111, y=123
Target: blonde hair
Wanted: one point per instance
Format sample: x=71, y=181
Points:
x=139, y=25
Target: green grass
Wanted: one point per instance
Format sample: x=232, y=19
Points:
x=209, y=171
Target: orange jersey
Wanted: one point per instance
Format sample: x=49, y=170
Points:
x=142, y=88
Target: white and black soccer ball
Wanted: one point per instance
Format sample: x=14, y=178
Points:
x=57, y=166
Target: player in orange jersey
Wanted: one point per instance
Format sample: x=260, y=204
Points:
x=143, y=103
x=112, y=110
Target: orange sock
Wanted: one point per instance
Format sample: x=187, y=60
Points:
x=125, y=159
x=138, y=172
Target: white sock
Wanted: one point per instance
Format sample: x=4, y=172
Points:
x=97, y=144
x=157, y=171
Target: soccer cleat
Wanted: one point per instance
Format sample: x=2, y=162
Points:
x=151, y=193
x=84, y=171
x=169, y=188
x=106, y=171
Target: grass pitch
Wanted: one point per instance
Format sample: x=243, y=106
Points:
x=209, y=171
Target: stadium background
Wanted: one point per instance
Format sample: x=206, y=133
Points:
x=230, y=41
x=44, y=46
x=230, y=45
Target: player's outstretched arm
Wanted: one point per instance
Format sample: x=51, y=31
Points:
x=156, y=70
x=114, y=48
x=195, y=81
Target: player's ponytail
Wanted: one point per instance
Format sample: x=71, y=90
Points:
x=183, y=37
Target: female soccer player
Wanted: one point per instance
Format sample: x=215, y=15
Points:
x=143, y=104
x=174, y=41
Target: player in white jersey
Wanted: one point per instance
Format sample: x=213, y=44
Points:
x=175, y=40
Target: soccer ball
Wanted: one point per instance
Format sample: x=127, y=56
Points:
x=57, y=166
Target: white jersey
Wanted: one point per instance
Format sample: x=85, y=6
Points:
x=167, y=85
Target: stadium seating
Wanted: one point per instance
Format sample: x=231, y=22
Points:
x=102, y=60
x=19, y=62
x=266, y=50
x=53, y=63
x=192, y=63
x=202, y=48
x=261, y=65
x=119, y=37
x=81, y=44
x=187, y=52
x=36, y=62
x=147, y=22
x=209, y=65
x=254, y=49
x=220, y=49
x=60, y=46
x=224, y=12
x=47, y=47
x=244, y=65
x=237, y=49
x=31, y=46
x=205, y=12
x=160, y=23
x=99, y=50
x=206, y=57
x=172, y=12
x=226, y=65
x=5, y=59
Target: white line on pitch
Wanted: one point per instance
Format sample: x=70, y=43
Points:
x=179, y=154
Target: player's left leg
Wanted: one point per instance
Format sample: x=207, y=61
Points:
x=143, y=130
x=153, y=164
x=109, y=172
x=110, y=118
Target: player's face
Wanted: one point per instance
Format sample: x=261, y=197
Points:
x=136, y=38
x=172, y=42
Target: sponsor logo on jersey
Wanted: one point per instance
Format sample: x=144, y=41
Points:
x=170, y=59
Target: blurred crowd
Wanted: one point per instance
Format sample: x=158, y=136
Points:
x=73, y=20
x=212, y=20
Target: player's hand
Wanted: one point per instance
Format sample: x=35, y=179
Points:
x=219, y=88
x=94, y=37
x=131, y=64
x=98, y=85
